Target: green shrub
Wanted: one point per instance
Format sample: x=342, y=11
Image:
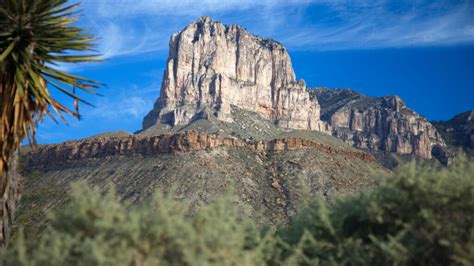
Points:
x=100, y=230
x=417, y=216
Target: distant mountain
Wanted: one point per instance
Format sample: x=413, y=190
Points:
x=377, y=124
x=458, y=132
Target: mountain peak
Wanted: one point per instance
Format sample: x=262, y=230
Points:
x=208, y=22
x=204, y=19
x=394, y=102
x=212, y=66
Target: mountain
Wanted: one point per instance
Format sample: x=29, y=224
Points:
x=231, y=115
x=212, y=67
x=377, y=124
x=215, y=72
x=458, y=132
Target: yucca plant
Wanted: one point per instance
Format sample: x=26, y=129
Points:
x=35, y=35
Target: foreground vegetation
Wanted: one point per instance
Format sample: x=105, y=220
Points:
x=417, y=216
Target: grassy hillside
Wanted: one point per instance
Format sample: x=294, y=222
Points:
x=267, y=187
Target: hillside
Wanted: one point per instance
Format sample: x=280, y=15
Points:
x=267, y=178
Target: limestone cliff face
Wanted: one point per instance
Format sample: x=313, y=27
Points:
x=212, y=66
x=377, y=123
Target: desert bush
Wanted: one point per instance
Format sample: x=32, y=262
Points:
x=417, y=216
x=98, y=229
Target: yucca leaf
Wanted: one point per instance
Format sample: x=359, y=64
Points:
x=7, y=51
x=70, y=94
x=58, y=73
x=57, y=10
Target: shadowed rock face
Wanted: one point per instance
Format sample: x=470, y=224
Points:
x=212, y=67
x=384, y=123
x=458, y=132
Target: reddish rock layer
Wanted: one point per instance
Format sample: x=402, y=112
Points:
x=168, y=143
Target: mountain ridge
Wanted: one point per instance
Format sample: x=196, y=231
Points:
x=377, y=123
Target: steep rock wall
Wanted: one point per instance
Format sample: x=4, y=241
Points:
x=212, y=66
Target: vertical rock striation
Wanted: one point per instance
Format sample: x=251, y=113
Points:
x=212, y=66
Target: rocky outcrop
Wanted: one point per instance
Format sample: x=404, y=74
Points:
x=186, y=141
x=384, y=123
x=458, y=132
x=212, y=67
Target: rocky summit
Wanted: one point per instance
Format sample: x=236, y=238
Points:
x=212, y=67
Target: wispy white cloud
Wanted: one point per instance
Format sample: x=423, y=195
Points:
x=126, y=8
x=379, y=26
x=119, y=39
x=133, y=27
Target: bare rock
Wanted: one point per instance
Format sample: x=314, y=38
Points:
x=212, y=67
x=384, y=123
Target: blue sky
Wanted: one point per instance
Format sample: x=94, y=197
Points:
x=420, y=50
